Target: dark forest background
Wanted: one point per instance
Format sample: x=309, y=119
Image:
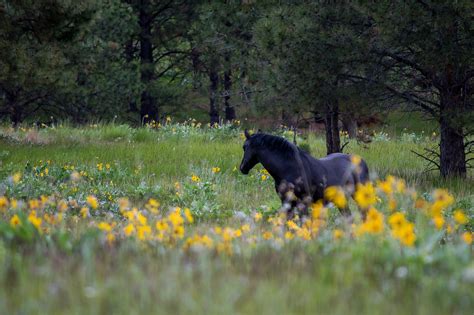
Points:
x=292, y=62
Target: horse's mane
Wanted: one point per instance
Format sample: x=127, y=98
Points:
x=274, y=143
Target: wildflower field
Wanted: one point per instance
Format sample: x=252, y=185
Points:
x=107, y=219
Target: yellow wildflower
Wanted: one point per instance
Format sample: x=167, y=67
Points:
x=292, y=225
x=110, y=238
x=131, y=215
x=162, y=225
x=188, y=215
x=104, y=226
x=264, y=177
x=375, y=226
x=365, y=195
x=143, y=232
x=197, y=240
x=336, y=195
x=178, y=231
x=225, y=247
x=392, y=204
x=152, y=205
x=195, y=178
x=245, y=228
x=92, y=201
x=397, y=220
x=467, y=238
x=228, y=234
x=405, y=232
x=373, y=223
x=238, y=233
x=460, y=217
x=33, y=219
x=16, y=178
x=175, y=217
x=337, y=234
x=15, y=221
x=442, y=200
x=374, y=215
x=3, y=203
x=449, y=229
x=13, y=203
x=264, y=171
x=318, y=211
x=277, y=220
x=386, y=186
x=44, y=200
x=257, y=216
x=400, y=185
x=62, y=205
x=304, y=233
x=84, y=212
x=216, y=170
x=438, y=221
x=289, y=235
x=267, y=235
x=141, y=218
x=408, y=238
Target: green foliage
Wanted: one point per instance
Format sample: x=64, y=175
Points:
x=313, y=50
x=36, y=38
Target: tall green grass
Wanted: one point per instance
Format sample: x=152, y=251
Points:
x=362, y=278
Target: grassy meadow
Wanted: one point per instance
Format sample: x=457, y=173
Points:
x=108, y=219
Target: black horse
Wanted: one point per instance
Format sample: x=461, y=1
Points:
x=300, y=179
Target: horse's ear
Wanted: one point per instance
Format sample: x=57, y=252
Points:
x=246, y=133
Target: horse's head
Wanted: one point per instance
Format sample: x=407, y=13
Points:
x=250, y=155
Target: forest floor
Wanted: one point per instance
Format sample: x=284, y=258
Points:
x=112, y=219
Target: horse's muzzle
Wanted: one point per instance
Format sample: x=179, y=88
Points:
x=243, y=170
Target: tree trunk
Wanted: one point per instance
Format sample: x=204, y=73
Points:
x=16, y=116
x=229, y=109
x=452, y=154
x=129, y=55
x=15, y=110
x=349, y=124
x=214, y=82
x=336, y=140
x=195, y=59
x=149, y=108
x=331, y=119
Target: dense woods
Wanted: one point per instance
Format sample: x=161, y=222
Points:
x=137, y=61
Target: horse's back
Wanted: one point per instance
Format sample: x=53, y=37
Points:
x=340, y=170
x=335, y=157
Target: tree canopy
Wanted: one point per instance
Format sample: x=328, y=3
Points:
x=138, y=61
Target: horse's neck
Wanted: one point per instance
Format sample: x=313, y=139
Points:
x=274, y=163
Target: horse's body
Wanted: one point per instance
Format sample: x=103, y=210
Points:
x=300, y=178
